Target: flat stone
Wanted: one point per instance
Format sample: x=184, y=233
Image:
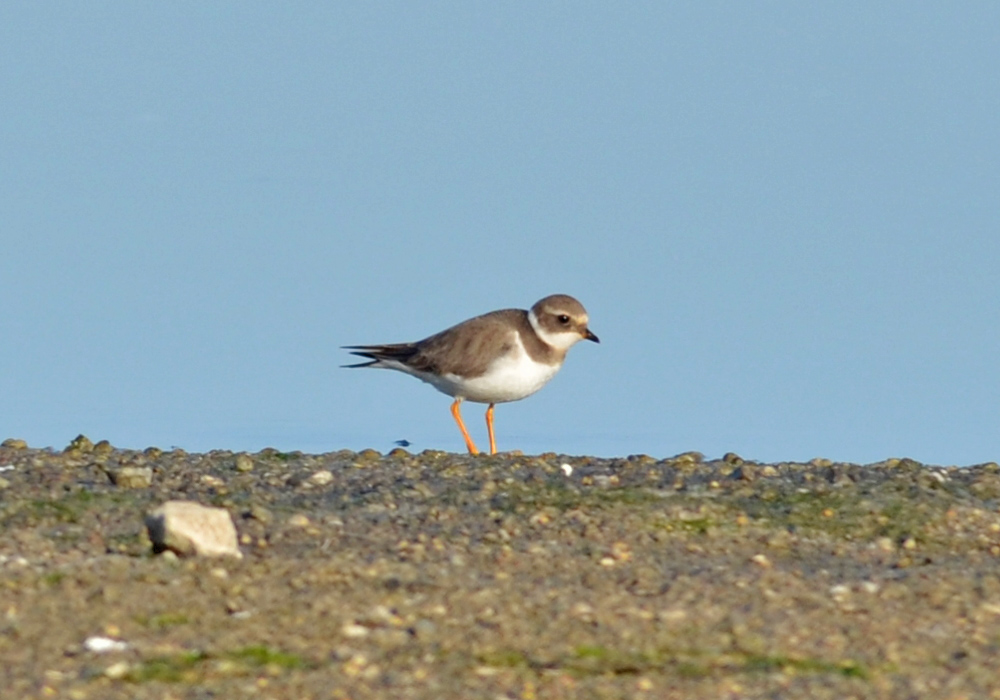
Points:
x=189, y=528
x=132, y=477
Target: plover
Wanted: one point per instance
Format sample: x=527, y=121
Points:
x=501, y=356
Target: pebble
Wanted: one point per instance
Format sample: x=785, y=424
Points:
x=118, y=671
x=298, y=520
x=15, y=444
x=321, y=478
x=189, y=528
x=688, y=458
x=244, y=463
x=744, y=472
x=102, y=645
x=354, y=631
x=81, y=443
x=132, y=477
x=260, y=514
x=840, y=592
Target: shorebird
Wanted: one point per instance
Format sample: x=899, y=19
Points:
x=501, y=356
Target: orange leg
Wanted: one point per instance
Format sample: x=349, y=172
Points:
x=461, y=426
x=489, y=427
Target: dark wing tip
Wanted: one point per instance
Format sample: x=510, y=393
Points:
x=360, y=351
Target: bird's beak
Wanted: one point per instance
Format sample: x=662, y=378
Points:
x=590, y=336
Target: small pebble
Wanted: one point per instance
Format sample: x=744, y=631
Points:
x=299, y=520
x=354, y=631
x=260, y=514
x=840, y=592
x=103, y=645
x=321, y=478
x=118, y=671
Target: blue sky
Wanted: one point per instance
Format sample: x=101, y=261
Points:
x=782, y=218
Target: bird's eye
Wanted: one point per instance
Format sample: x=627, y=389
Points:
x=563, y=319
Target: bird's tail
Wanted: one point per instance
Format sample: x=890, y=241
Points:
x=375, y=354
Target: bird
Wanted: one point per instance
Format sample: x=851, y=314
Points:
x=500, y=356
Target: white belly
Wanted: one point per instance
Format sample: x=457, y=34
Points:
x=510, y=378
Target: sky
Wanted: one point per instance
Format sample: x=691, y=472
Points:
x=783, y=219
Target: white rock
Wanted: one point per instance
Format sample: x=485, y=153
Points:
x=353, y=630
x=102, y=645
x=840, y=592
x=322, y=477
x=567, y=469
x=189, y=528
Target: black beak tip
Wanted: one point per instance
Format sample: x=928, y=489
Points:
x=591, y=336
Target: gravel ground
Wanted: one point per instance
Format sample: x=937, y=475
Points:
x=440, y=575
